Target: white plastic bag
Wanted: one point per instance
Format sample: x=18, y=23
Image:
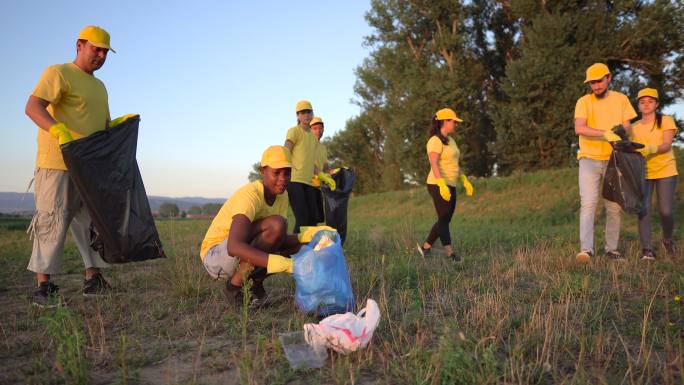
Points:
x=345, y=333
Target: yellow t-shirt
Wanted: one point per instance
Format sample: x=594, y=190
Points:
x=321, y=156
x=248, y=200
x=601, y=114
x=657, y=165
x=303, y=154
x=78, y=100
x=448, y=160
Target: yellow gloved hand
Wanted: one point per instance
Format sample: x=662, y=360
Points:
x=60, y=132
x=611, y=136
x=467, y=186
x=315, y=181
x=648, y=150
x=325, y=178
x=278, y=264
x=444, y=189
x=306, y=233
x=121, y=119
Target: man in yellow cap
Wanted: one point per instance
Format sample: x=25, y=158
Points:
x=250, y=231
x=67, y=103
x=595, y=116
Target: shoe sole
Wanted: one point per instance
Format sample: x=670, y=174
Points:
x=583, y=258
x=647, y=258
x=41, y=306
x=420, y=250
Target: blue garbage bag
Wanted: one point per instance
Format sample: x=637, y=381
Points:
x=322, y=284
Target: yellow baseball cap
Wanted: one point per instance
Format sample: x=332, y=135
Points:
x=596, y=71
x=447, y=114
x=316, y=120
x=96, y=36
x=652, y=92
x=276, y=157
x=303, y=105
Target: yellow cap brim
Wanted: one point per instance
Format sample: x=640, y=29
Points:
x=101, y=45
x=280, y=164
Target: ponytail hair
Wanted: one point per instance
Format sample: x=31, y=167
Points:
x=436, y=130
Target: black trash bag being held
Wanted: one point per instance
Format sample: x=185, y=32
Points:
x=105, y=171
x=335, y=202
x=624, y=181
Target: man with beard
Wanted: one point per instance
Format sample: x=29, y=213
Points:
x=595, y=115
x=67, y=103
x=250, y=231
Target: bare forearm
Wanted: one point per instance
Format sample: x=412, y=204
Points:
x=36, y=109
x=247, y=253
x=291, y=245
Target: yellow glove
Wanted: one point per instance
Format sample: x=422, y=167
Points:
x=60, y=132
x=278, y=264
x=648, y=150
x=611, y=136
x=444, y=189
x=467, y=186
x=315, y=181
x=121, y=119
x=325, y=178
x=306, y=233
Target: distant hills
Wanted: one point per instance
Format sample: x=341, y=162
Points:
x=22, y=203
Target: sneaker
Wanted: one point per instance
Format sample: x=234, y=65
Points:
x=235, y=296
x=647, y=255
x=454, y=257
x=614, y=255
x=46, y=296
x=95, y=286
x=423, y=252
x=668, y=244
x=584, y=257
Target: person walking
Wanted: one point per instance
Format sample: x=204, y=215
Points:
x=656, y=132
x=595, y=116
x=443, y=154
x=68, y=103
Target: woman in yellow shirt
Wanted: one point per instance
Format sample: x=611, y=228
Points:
x=656, y=132
x=443, y=155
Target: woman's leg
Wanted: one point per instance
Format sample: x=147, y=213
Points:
x=645, y=216
x=665, y=190
x=445, y=210
x=300, y=207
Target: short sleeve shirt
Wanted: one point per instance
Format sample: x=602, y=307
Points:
x=601, y=114
x=448, y=160
x=657, y=165
x=77, y=99
x=303, y=153
x=249, y=201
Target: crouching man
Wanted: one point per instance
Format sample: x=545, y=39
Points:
x=248, y=237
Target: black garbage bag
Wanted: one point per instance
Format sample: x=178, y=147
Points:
x=335, y=202
x=105, y=171
x=625, y=178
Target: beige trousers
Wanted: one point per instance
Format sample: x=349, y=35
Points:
x=59, y=207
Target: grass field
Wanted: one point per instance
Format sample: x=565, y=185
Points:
x=517, y=310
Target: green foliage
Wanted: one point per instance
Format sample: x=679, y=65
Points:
x=254, y=173
x=68, y=340
x=211, y=208
x=512, y=70
x=195, y=210
x=168, y=210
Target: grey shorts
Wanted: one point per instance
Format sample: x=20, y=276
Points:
x=218, y=263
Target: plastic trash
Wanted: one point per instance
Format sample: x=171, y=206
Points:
x=300, y=354
x=335, y=202
x=104, y=168
x=345, y=333
x=322, y=284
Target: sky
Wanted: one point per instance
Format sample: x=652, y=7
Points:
x=215, y=82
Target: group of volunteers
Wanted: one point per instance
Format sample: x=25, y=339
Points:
x=596, y=114
x=249, y=239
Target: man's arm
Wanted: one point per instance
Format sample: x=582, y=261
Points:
x=289, y=144
x=581, y=128
x=238, y=243
x=36, y=109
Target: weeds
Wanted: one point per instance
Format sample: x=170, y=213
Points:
x=68, y=339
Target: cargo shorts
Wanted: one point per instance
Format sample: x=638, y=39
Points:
x=59, y=207
x=218, y=263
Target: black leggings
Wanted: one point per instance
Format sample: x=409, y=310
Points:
x=303, y=202
x=445, y=210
